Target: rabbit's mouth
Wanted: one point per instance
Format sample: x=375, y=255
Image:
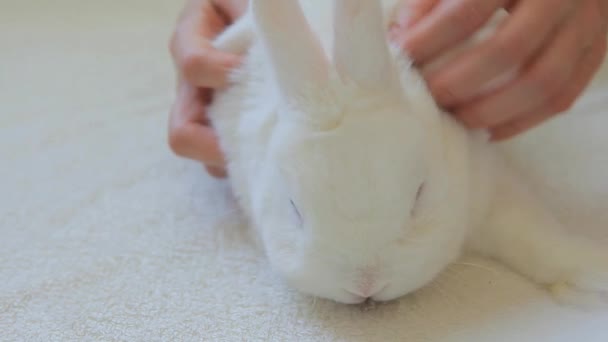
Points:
x=368, y=305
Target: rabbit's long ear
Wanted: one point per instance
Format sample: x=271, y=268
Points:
x=361, y=50
x=296, y=54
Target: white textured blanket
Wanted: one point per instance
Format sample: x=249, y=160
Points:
x=106, y=236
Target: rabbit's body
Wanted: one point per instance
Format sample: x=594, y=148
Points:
x=357, y=184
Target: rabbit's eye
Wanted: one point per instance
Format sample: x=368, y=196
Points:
x=420, y=191
x=419, y=194
x=296, y=211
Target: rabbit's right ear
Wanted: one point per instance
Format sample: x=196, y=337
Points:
x=296, y=55
x=361, y=52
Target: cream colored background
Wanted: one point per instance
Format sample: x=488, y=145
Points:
x=106, y=236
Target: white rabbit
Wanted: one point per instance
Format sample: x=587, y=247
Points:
x=355, y=181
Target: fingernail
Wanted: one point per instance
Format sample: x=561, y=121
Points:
x=498, y=137
x=216, y=172
x=471, y=121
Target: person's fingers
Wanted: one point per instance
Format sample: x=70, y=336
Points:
x=196, y=141
x=232, y=9
x=520, y=37
x=189, y=134
x=603, y=7
x=448, y=24
x=196, y=59
x=520, y=125
x=410, y=12
x=217, y=172
x=205, y=67
x=582, y=78
x=545, y=77
x=588, y=67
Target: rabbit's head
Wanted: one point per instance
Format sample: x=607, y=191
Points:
x=354, y=198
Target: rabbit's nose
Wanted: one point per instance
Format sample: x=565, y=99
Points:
x=368, y=289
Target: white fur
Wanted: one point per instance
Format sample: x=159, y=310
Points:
x=314, y=118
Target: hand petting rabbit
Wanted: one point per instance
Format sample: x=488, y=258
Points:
x=557, y=51
x=357, y=183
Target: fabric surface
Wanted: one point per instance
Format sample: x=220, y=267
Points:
x=106, y=236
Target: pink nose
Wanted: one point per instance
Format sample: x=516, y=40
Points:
x=367, y=290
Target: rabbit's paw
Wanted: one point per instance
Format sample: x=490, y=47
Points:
x=522, y=233
x=586, y=284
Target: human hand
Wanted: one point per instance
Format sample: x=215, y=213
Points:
x=201, y=69
x=555, y=46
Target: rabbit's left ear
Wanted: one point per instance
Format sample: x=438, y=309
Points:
x=361, y=50
x=297, y=57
